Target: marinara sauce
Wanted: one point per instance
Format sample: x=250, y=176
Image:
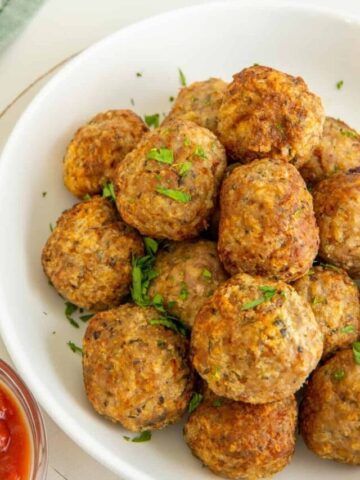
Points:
x=15, y=442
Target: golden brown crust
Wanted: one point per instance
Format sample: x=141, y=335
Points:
x=136, y=373
x=188, y=273
x=337, y=210
x=87, y=257
x=338, y=151
x=255, y=354
x=330, y=410
x=267, y=222
x=199, y=103
x=334, y=299
x=138, y=179
x=242, y=441
x=267, y=113
x=98, y=147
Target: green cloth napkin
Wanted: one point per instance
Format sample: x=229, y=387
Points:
x=13, y=16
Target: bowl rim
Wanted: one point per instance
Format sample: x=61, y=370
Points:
x=54, y=409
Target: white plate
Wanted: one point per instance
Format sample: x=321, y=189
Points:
x=209, y=40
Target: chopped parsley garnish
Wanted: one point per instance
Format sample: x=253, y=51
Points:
x=51, y=227
x=330, y=267
x=218, y=402
x=109, y=191
x=70, y=308
x=268, y=293
x=182, y=78
x=311, y=272
x=158, y=302
x=162, y=155
x=316, y=300
x=216, y=373
x=73, y=347
x=356, y=352
x=186, y=142
x=152, y=120
x=280, y=128
x=44, y=194
x=151, y=245
x=184, y=292
x=348, y=133
x=199, y=152
x=177, y=195
x=339, y=84
x=171, y=98
x=184, y=168
x=138, y=74
x=173, y=323
x=206, y=273
x=143, y=437
x=347, y=329
x=142, y=274
x=86, y=317
x=339, y=375
x=195, y=401
x=86, y=197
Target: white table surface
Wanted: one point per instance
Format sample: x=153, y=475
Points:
x=59, y=29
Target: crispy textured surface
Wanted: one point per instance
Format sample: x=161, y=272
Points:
x=257, y=355
x=337, y=210
x=138, y=177
x=338, y=151
x=334, y=299
x=242, y=441
x=267, y=113
x=88, y=256
x=98, y=147
x=189, y=272
x=267, y=223
x=199, y=103
x=330, y=410
x=136, y=373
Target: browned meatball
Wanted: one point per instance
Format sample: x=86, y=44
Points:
x=337, y=210
x=188, y=273
x=167, y=186
x=98, y=147
x=199, y=103
x=334, y=299
x=88, y=256
x=338, y=151
x=330, y=411
x=267, y=223
x=267, y=113
x=255, y=340
x=238, y=440
x=136, y=373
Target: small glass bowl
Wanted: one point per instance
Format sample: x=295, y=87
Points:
x=34, y=418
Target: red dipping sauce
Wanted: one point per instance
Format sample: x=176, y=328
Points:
x=15, y=440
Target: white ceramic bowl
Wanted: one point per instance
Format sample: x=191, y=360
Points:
x=210, y=40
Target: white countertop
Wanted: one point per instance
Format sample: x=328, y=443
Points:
x=58, y=30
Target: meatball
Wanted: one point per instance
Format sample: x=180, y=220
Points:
x=267, y=223
x=330, y=410
x=267, y=113
x=199, y=103
x=98, y=147
x=238, y=440
x=136, y=373
x=88, y=256
x=167, y=186
x=334, y=299
x=255, y=340
x=338, y=151
x=337, y=210
x=188, y=273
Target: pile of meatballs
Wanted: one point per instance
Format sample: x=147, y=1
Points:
x=237, y=218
